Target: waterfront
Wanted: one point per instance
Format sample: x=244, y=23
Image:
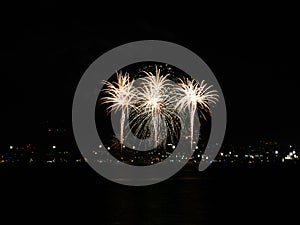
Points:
x=219, y=194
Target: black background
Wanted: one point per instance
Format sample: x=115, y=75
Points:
x=46, y=48
x=252, y=50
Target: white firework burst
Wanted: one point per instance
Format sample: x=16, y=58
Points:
x=121, y=97
x=192, y=94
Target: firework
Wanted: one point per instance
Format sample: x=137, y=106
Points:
x=121, y=96
x=191, y=94
x=155, y=106
x=151, y=108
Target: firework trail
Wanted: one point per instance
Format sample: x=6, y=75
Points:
x=191, y=93
x=121, y=96
x=155, y=105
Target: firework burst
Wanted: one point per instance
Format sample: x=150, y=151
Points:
x=191, y=94
x=121, y=97
x=155, y=106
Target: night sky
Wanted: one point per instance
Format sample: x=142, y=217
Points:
x=47, y=47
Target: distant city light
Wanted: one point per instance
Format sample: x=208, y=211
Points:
x=265, y=152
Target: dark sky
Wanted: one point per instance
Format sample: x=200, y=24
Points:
x=254, y=55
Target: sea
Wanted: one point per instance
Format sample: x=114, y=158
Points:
x=262, y=194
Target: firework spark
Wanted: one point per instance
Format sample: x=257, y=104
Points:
x=155, y=105
x=191, y=93
x=121, y=96
x=155, y=102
